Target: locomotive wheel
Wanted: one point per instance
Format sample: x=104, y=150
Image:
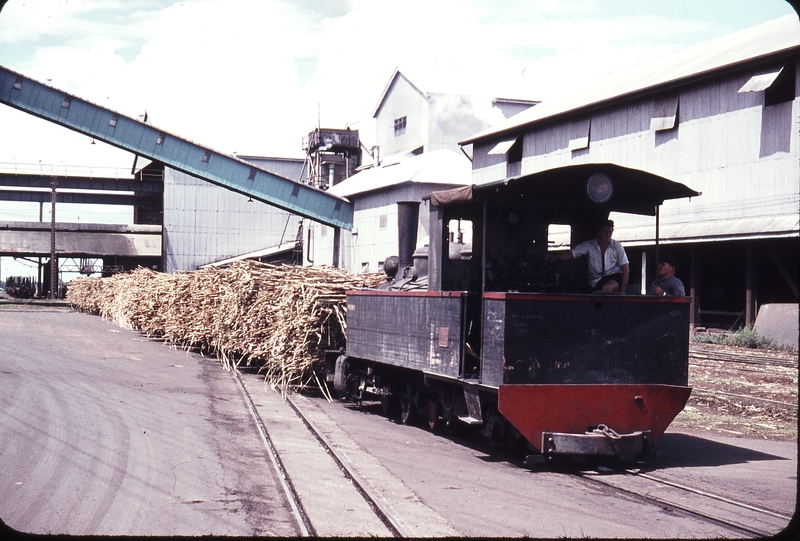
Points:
x=408, y=406
x=433, y=412
x=449, y=420
x=386, y=403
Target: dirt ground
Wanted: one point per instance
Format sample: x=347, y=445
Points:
x=719, y=403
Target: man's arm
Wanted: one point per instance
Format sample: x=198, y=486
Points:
x=676, y=288
x=558, y=256
x=626, y=271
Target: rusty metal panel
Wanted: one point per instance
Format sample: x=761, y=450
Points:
x=420, y=331
x=576, y=409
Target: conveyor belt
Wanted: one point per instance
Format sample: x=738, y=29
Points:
x=146, y=140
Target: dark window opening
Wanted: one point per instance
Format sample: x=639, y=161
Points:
x=515, y=152
x=782, y=90
x=399, y=126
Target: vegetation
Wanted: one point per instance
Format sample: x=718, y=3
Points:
x=745, y=337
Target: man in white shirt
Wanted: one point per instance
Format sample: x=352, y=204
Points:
x=608, y=263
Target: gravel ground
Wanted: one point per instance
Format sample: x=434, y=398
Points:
x=719, y=405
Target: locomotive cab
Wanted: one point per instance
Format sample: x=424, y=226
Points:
x=498, y=337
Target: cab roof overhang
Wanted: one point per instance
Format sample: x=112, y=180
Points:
x=634, y=191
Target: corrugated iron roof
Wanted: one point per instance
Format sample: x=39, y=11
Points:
x=437, y=167
x=760, y=227
x=285, y=247
x=753, y=43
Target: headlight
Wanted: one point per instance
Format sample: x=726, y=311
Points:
x=599, y=188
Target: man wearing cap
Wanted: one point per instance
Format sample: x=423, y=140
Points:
x=667, y=284
x=608, y=263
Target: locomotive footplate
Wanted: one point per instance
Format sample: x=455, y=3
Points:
x=601, y=441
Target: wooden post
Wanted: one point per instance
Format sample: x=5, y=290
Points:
x=693, y=282
x=749, y=316
x=53, y=259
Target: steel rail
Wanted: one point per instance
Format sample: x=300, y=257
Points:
x=386, y=516
x=647, y=496
x=710, y=495
x=744, y=396
x=743, y=358
x=299, y=514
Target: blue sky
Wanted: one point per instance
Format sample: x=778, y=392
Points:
x=255, y=76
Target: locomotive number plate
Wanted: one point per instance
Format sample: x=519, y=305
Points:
x=444, y=337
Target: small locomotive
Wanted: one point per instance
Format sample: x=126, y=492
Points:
x=479, y=329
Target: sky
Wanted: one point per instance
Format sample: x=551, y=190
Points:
x=253, y=77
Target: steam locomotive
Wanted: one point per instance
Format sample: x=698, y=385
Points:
x=487, y=333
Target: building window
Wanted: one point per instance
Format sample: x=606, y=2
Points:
x=579, y=134
x=382, y=221
x=514, y=154
x=777, y=84
x=665, y=114
x=782, y=90
x=399, y=126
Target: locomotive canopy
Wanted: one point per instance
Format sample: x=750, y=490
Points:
x=482, y=330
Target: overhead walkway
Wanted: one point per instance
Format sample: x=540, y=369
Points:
x=32, y=239
x=78, y=189
x=148, y=141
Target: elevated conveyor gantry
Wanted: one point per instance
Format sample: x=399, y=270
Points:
x=146, y=140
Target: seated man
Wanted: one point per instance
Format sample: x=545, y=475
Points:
x=607, y=261
x=668, y=285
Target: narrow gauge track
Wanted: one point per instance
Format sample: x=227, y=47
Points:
x=741, y=363
x=742, y=518
x=787, y=405
x=702, y=354
x=301, y=517
x=374, y=502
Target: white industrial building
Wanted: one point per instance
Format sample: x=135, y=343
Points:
x=416, y=152
x=721, y=117
x=204, y=223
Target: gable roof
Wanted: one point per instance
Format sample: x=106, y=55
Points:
x=759, y=42
x=392, y=81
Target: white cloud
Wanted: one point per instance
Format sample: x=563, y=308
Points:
x=224, y=73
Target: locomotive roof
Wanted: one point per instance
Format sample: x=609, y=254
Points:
x=634, y=191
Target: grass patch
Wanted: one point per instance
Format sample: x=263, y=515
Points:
x=745, y=337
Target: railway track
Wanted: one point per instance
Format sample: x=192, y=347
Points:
x=381, y=511
x=736, y=518
x=752, y=393
x=292, y=491
x=699, y=353
x=742, y=518
x=787, y=405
